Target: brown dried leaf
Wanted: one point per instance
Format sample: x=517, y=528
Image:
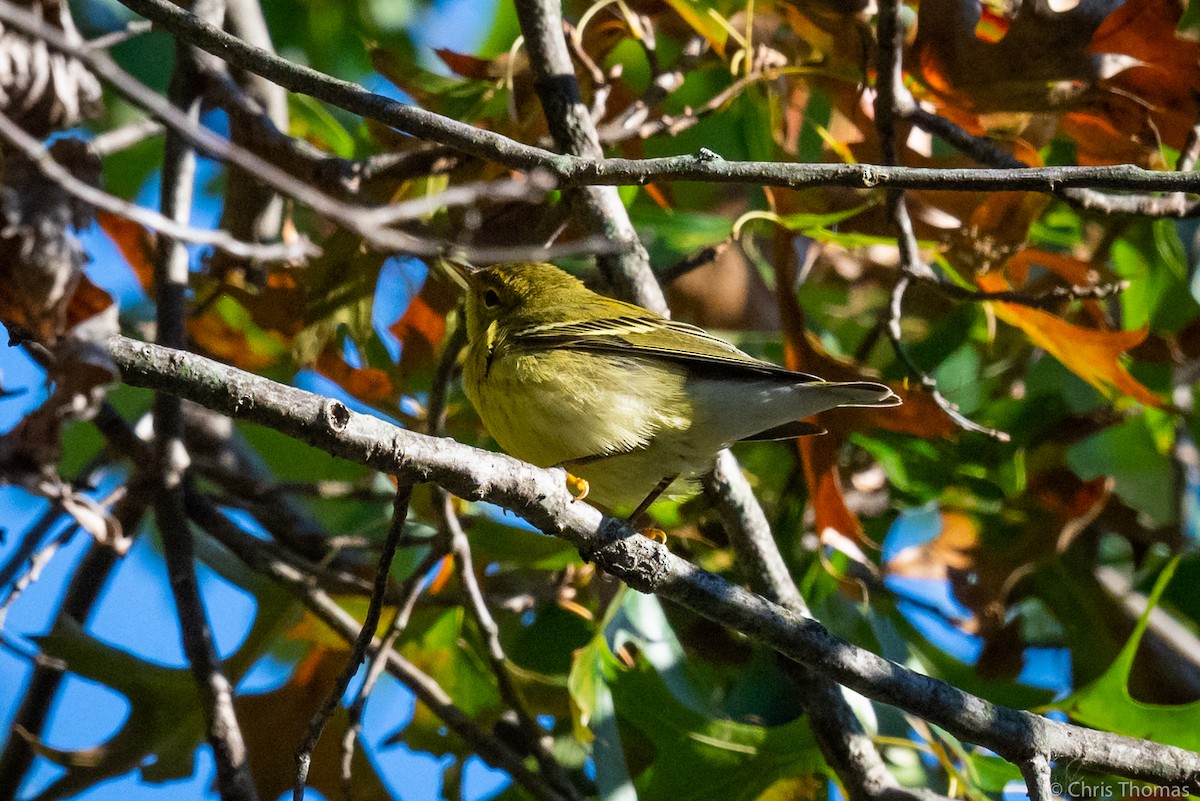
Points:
x=41, y=89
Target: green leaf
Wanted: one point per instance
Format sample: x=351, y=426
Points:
x=1144, y=475
x=1106, y=704
x=594, y=715
x=688, y=750
x=701, y=756
x=1151, y=258
x=310, y=120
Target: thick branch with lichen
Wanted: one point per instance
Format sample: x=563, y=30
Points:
x=541, y=497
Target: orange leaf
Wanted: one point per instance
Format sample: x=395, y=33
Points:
x=819, y=456
x=135, y=243
x=225, y=343
x=656, y=194
x=86, y=301
x=369, y=384
x=445, y=570
x=422, y=327
x=1092, y=354
x=1167, y=70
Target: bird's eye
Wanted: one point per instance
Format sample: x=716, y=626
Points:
x=491, y=298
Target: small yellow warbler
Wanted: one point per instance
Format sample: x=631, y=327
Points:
x=621, y=397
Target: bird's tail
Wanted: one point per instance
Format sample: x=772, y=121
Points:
x=856, y=393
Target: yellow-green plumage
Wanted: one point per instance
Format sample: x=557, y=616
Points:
x=618, y=395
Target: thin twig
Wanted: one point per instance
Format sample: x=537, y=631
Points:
x=296, y=580
x=633, y=120
x=46, y=164
x=889, y=89
x=528, y=190
x=361, y=643
x=895, y=336
x=38, y=560
x=132, y=29
x=1036, y=770
x=118, y=139
x=581, y=170
x=171, y=274
x=409, y=592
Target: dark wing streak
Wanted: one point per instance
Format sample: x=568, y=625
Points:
x=709, y=353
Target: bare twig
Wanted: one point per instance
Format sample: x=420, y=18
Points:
x=296, y=580
x=40, y=156
x=409, y=592
x=635, y=120
x=224, y=735
x=364, y=639
x=574, y=132
x=528, y=190
x=131, y=30
x=889, y=90
x=124, y=137
x=37, y=561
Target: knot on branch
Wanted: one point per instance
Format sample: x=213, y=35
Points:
x=636, y=560
x=336, y=415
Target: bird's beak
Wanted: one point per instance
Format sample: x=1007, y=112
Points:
x=458, y=270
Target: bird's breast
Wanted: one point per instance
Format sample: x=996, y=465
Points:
x=553, y=406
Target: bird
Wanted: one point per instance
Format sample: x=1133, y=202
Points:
x=627, y=401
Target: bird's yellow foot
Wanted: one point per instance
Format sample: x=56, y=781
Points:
x=578, y=487
x=656, y=534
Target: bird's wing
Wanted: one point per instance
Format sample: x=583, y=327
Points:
x=655, y=338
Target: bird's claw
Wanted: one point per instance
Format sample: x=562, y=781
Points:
x=655, y=533
x=578, y=487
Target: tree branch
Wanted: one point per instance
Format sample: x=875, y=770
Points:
x=577, y=170
x=365, y=637
x=234, y=780
x=428, y=691
x=221, y=240
x=573, y=128
x=574, y=132
x=541, y=497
